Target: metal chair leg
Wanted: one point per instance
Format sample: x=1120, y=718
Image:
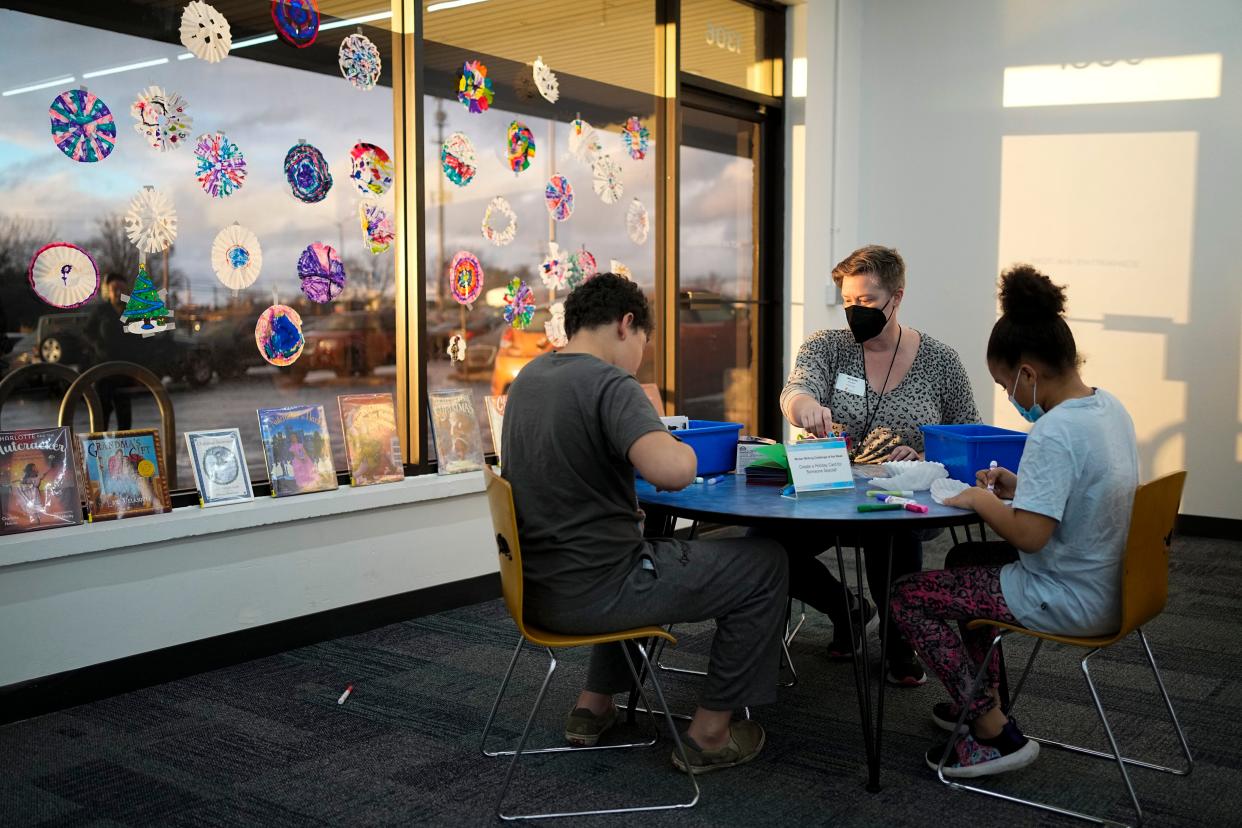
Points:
x=491, y=717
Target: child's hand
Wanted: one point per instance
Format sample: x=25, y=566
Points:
x=1004, y=482
x=965, y=500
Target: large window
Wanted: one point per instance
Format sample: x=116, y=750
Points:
x=265, y=97
x=603, y=58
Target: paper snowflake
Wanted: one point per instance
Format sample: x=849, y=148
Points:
x=519, y=304
x=559, y=197
x=499, y=237
x=360, y=62
x=636, y=137
x=545, y=81
x=607, y=179
x=554, y=328
x=580, y=268
x=205, y=32
x=221, y=166
x=63, y=275
x=162, y=118
x=236, y=257
x=474, y=88
x=584, y=142
x=637, y=222
x=151, y=222
x=554, y=267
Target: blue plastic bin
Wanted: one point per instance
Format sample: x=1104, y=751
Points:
x=715, y=444
x=965, y=449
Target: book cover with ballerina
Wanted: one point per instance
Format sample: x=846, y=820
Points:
x=372, y=447
x=298, y=449
x=123, y=473
x=459, y=446
x=38, y=480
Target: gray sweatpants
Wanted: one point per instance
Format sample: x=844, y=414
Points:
x=741, y=582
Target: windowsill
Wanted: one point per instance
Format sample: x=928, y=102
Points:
x=192, y=521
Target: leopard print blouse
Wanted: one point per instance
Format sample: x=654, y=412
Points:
x=935, y=391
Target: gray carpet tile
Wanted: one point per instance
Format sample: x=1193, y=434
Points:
x=264, y=742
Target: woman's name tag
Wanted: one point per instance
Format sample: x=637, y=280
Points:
x=851, y=385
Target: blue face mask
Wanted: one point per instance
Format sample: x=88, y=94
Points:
x=1036, y=410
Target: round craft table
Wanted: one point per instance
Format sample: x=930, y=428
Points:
x=836, y=517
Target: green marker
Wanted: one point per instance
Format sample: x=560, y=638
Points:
x=895, y=492
x=879, y=507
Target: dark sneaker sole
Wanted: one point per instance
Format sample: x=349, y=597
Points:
x=1017, y=760
x=846, y=655
x=698, y=770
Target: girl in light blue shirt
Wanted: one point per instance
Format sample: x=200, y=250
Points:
x=1058, y=569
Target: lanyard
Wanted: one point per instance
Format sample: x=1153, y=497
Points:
x=871, y=415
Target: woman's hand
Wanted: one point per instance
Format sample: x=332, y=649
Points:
x=900, y=453
x=808, y=414
x=1004, y=482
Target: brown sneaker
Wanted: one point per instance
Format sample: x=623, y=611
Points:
x=745, y=741
x=583, y=728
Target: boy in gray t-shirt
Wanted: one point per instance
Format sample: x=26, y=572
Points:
x=577, y=425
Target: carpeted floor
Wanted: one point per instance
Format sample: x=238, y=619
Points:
x=265, y=743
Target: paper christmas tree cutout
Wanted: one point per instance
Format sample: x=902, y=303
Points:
x=145, y=312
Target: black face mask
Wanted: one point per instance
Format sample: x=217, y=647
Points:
x=866, y=323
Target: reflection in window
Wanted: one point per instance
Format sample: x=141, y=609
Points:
x=265, y=98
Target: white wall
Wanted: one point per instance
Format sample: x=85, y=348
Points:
x=146, y=583
x=1132, y=205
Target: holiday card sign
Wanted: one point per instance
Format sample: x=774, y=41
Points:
x=820, y=466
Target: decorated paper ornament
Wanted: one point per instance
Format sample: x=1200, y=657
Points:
x=555, y=267
x=205, y=32
x=458, y=159
x=621, y=270
x=151, y=222
x=377, y=231
x=82, y=126
x=360, y=62
x=278, y=335
x=296, y=21
x=321, y=272
x=580, y=267
x=545, y=81
x=474, y=88
x=307, y=172
x=236, y=257
x=559, y=196
x=457, y=348
x=554, y=328
x=637, y=222
x=636, y=136
x=466, y=277
x=607, y=178
x=521, y=146
x=221, y=166
x=63, y=275
x=519, y=304
x=584, y=141
x=162, y=118
x=502, y=237
x=145, y=310
x=371, y=169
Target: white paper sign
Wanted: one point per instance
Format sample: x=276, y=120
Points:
x=820, y=466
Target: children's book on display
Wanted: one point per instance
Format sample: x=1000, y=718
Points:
x=219, y=464
x=123, y=474
x=459, y=446
x=38, y=480
x=496, y=419
x=298, y=449
x=372, y=446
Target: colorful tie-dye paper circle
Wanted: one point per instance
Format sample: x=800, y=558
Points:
x=296, y=21
x=466, y=277
x=521, y=146
x=278, y=335
x=636, y=136
x=458, y=159
x=559, y=196
x=555, y=268
x=162, y=118
x=82, y=126
x=360, y=62
x=519, y=304
x=63, y=275
x=377, y=231
x=474, y=88
x=371, y=169
x=581, y=267
x=307, y=173
x=221, y=165
x=321, y=272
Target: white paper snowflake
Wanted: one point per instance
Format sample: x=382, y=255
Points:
x=205, y=32
x=554, y=269
x=637, y=222
x=151, y=222
x=554, y=328
x=545, y=81
x=607, y=181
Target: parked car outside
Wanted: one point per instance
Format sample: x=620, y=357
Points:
x=518, y=347
x=481, y=324
x=59, y=338
x=348, y=343
x=178, y=355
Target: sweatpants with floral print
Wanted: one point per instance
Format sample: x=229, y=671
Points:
x=925, y=604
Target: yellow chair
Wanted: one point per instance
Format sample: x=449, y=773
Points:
x=1144, y=590
x=504, y=521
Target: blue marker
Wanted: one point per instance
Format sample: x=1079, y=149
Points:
x=788, y=490
x=715, y=479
